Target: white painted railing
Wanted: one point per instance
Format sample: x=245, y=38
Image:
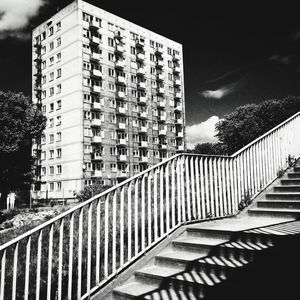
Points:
x=77, y=252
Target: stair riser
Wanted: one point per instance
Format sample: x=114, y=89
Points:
x=226, y=235
x=169, y=262
x=197, y=290
x=282, y=197
x=274, y=204
x=190, y=247
x=297, y=169
x=287, y=189
x=119, y=296
x=235, y=253
x=290, y=181
x=273, y=214
x=265, y=239
x=294, y=175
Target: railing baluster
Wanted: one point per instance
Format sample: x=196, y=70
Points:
x=143, y=219
x=98, y=240
x=207, y=198
x=192, y=162
x=114, y=233
x=239, y=178
x=178, y=170
x=122, y=226
x=106, y=240
x=149, y=203
x=2, y=281
x=183, y=193
x=60, y=259
x=198, y=199
x=89, y=249
x=203, y=206
x=188, y=195
x=161, y=198
x=211, y=187
x=15, y=272
x=50, y=254
x=155, y=206
x=167, y=198
x=235, y=188
x=70, y=275
x=215, y=179
x=79, y=266
x=220, y=190
x=129, y=221
x=173, y=188
x=27, y=268
x=136, y=218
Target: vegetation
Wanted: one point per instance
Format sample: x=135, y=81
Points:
x=248, y=122
x=20, y=123
x=90, y=191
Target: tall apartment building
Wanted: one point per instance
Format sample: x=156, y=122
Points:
x=113, y=94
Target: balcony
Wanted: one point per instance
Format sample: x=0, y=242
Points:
x=37, y=45
x=96, y=105
x=122, y=126
x=178, y=107
x=121, y=110
x=162, y=132
x=160, y=63
x=161, y=104
x=96, y=73
x=96, y=156
x=176, y=57
x=143, y=129
x=95, y=40
x=159, y=51
x=143, y=144
x=171, y=103
x=161, y=90
x=144, y=159
x=177, y=82
x=122, y=174
x=94, y=25
x=120, y=95
x=143, y=115
x=160, y=77
x=96, y=122
x=96, y=89
x=179, y=134
x=122, y=158
x=119, y=49
x=180, y=148
x=121, y=142
x=96, y=139
x=177, y=95
x=141, y=85
x=142, y=99
x=162, y=146
x=120, y=64
x=176, y=70
x=141, y=71
x=140, y=42
x=121, y=80
x=119, y=35
x=38, y=87
x=140, y=57
x=162, y=118
x=95, y=56
x=96, y=173
x=38, y=59
x=179, y=121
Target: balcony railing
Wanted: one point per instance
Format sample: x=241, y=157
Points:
x=122, y=126
x=120, y=94
x=143, y=129
x=96, y=156
x=121, y=142
x=96, y=122
x=79, y=251
x=96, y=173
x=141, y=71
x=121, y=110
x=96, y=139
x=121, y=79
x=96, y=105
x=95, y=56
x=96, y=73
x=144, y=159
x=142, y=99
x=96, y=89
x=122, y=158
x=143, y=144
x=120, y=64
x=143, y=115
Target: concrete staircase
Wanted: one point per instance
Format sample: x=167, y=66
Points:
x=250, y=256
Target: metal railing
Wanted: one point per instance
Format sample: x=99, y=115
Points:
x=77, y=252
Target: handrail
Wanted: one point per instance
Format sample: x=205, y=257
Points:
x=117, y=226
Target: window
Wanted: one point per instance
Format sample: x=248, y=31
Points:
x=51, y=122
x=51, y=138
x=43, y=64
x=51, y=107
x=58, y=186
x=51, y=154
x=58, y=104
x=113, y=151
x=51, y=91
x=43, y=51
x=44, y=79
x=51, y=186
x=58, y=57
x=51, y=76
x=110, y=42
x=111, y=57
x=58, y=153
x=58, y=73
x=58, y=120
x=51, y=31
x=169, y=51
x=111, y=72
x=111, y=87
x=44, y=108
x=132, y=50
x=111, y=27
x=58, y=169
x=58, y=42
x=152, y=44
x=58, y=88
x=152, y=57
x=113, y=167
x=51, y=60
x=58, y=136
x=58, y=26
x=44, y=170
x=51, y=46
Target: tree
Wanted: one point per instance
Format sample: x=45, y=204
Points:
x=248, y=122
x=209, y=149
x=20, y=122
x=90, y=191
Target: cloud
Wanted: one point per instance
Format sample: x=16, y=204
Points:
x=223, y=91
x=202, y=133
x=15, y=16
x=284, y=59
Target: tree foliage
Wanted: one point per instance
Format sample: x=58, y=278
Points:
x=209, y=149
x=90, y=191
x=20, y=123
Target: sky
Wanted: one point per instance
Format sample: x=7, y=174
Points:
x=234, y=52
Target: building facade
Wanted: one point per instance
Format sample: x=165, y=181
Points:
x=113, y=95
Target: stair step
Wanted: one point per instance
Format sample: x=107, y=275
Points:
x=203, y=243
x=287, y=188
x=224, y=261
x=282, y=195
x=196, y=277
x=297, y=169
x=273, y=212
x=291, y=204
x=134, y=289
x=294, y=175
x=209, y=232
x=291, y=181
x=155, y=274
x=168, y=294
